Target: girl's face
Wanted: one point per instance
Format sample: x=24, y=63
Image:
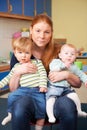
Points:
x=41, y=34
x=22, y=57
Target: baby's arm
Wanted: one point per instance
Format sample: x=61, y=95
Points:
x=56, y=65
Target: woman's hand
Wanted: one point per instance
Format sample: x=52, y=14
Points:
x=25, y=68
x=21, y=69
x=56, y=76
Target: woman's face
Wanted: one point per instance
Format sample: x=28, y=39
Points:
x=41, y=34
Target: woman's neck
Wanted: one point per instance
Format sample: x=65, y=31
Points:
x=38, y=52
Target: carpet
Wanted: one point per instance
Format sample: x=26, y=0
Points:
x=3, y=113
x=82, y=122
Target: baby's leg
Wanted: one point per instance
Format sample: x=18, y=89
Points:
x=49, y=109
x=7, y=119
x=76, y=99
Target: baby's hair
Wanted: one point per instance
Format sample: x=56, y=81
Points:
x=22, y=44
x=69, y=45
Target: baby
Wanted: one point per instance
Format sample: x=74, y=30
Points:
x=67, y=56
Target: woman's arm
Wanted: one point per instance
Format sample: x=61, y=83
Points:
x=65, y=75
x=74, y=80
x=14, y=82
x=20, y=70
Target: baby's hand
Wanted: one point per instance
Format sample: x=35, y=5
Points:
x=43, y=89
x=86, y=84
x=67, y=65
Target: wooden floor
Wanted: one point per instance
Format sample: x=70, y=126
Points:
x=4, y=95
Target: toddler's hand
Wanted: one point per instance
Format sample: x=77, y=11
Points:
x=43, y=89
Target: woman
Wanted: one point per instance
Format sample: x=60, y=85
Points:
x=41, y=32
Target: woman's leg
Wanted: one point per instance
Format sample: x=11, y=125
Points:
x=22, y=113
x=40, y=107
x=65, y=111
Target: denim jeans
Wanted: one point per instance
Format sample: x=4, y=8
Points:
x=37, y=97
x=23, y=112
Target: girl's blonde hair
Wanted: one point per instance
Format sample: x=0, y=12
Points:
x=22, y=44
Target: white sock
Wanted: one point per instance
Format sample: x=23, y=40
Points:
x=7, y=119
x=49, y=109
x=38, y=127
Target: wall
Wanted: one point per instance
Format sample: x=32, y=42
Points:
x=70, y=21
x=7, y=28
x=82, y=93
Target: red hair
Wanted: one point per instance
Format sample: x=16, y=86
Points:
x=49, y=47
x=51, y=54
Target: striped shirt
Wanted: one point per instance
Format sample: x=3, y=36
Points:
x=38, y=79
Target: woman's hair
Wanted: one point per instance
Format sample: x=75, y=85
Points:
x=42, y=17
x=22, y=44
x=49, y=47
x=54, y=54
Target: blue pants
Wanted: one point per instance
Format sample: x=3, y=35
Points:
x=37, y=97
x=23, y=112
x=65, y=110
x=57, y=91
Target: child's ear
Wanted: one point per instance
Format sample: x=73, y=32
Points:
x=60, y=55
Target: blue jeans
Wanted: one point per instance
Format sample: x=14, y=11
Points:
x=23, y=112
x=65, y=111
x=38, y=99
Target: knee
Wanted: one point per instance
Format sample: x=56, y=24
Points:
x=21, y=107
x=17, y=110
x=65, y=107
x=71, y=117
x=11, y=95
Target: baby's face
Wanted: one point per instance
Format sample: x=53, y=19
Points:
x=68, y=54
